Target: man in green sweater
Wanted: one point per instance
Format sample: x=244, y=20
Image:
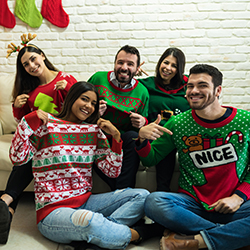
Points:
x=212, y=207
x=124, y=101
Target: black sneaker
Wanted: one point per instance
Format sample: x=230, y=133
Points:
x=148, y=231
x=5, y=220
x=82, y=245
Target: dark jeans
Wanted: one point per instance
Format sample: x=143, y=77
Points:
x=164, y=172
x=19, y=179
x=130, y=164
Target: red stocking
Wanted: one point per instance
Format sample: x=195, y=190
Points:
x=7, y=19
x=53, y=11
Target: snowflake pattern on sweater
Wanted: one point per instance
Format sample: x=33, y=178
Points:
x=62, y=155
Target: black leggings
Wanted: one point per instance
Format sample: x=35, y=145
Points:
x=164, y=172
x=19, y=179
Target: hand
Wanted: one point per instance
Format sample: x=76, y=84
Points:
x=228, y=205
x=43, y=116
x=109, y=128
x=21, y=100
x=137, y=120
x=60, y=85
x=153, y=131
x=102, y=107
x=140, y=70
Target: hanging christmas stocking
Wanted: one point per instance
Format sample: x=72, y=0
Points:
x=54, y=13
x=27, y=11
x=7, y=19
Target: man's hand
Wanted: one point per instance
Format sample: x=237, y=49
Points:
x=102, y=107
x=43, y=116
x=228, y=205
x=153, y=130
x=21, y=100
x=60, y=85
x=137, y=120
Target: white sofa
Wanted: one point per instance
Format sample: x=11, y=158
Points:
x=145, y=176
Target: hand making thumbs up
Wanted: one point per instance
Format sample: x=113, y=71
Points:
x=153, y=130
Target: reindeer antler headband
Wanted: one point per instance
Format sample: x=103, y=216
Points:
x=13, y=48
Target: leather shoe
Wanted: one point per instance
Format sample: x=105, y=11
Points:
x=178, y=242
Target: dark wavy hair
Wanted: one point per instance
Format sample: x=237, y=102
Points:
x=216, y=75
x=130, y=50
x=177, y=80
x=74, y=93
x=24, y=82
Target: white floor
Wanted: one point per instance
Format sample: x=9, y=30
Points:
x=24, y=234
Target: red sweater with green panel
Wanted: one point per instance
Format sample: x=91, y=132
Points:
x=46, y=97
x=62, y=155
x=121, y=101
x=213, y=157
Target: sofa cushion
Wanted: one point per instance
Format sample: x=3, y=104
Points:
x=5, y=141
x=6, y=115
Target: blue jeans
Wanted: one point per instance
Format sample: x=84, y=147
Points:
x=103, y=220
x=181, y=213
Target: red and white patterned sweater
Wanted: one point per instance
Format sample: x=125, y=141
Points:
x=62, y=155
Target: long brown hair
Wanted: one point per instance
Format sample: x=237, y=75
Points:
x=24, y=82
x=74, y=93
x=176, y=81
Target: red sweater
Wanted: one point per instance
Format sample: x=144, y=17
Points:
x=45, y=97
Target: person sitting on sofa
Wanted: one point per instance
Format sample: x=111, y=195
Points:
x=167, y=92
x=38, y=85
x=212, y=208
x=63, y=148
x=124, y=101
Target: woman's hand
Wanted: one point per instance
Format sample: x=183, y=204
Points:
x=109, y=128
x=140, y=70
x=102, y=107
x=153, y=131
x=21, y=100
x=43, y=116
x=60, y=85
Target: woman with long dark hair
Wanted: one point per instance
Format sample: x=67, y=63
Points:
x=167, y=90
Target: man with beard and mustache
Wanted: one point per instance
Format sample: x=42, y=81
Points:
x=124, y=101
x=212, y=208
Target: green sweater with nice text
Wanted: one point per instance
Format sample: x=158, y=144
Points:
x=213, y=157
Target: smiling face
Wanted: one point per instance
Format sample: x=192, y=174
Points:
x=83, y=107
x=168, y=69
x=33, y=63
x=125, y=67
x=200, y=91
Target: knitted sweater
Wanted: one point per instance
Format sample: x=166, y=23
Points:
x=213, y=157
x=62, y=155
x=45, y=97
x=163, y=102
x=121, y=101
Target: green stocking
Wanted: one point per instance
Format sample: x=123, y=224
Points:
x=27, y=11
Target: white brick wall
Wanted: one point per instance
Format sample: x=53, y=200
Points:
x=214, y=32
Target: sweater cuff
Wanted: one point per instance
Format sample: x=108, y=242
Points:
x=242, y=195
x=245, y=189
x=33, y=120
x=146, y=123
x=142, y=149
x=116, y=146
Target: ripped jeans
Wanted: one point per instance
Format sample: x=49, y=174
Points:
x=103, y=220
